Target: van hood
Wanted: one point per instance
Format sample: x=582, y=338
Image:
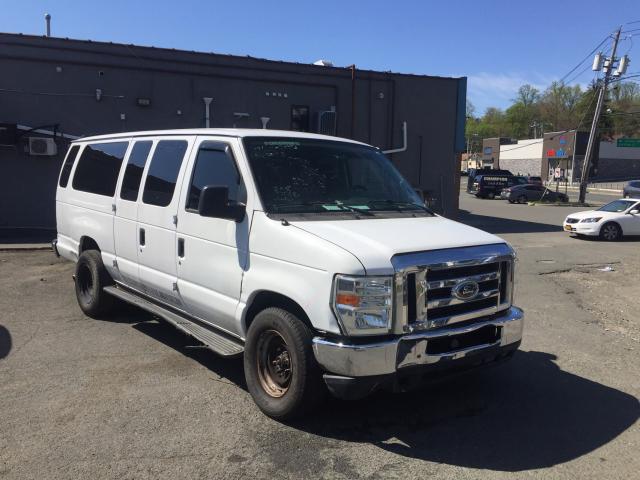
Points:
x=375, y=241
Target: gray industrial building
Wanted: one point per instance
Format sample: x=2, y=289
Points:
x=60, y=89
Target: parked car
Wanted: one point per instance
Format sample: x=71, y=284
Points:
x=305, y=253
x=632, y=189
x=518, y=180
x=609, y=222
x=531, y=193
x=490, y=185
x=534, y=180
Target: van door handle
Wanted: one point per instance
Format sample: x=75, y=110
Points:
x=181, y=247
x=142, y=237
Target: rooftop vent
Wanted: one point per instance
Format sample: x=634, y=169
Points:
x=323, y=63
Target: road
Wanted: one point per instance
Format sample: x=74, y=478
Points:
x=128, y=398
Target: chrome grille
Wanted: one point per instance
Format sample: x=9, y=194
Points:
x=432, y=287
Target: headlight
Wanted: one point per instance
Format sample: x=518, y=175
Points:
x=591, y=220
x=363, y=305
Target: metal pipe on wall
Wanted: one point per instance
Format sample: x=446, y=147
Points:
x=404, y=141
x=353, y=99
x=207, y=101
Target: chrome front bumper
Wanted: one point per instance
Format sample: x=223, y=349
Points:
x=391, y=356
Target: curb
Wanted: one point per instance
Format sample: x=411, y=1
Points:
x=24, y=247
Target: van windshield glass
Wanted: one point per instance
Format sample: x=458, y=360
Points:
x=298, y=175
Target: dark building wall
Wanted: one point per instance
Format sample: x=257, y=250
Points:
x=49, y=81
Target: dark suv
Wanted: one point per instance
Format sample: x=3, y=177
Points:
x=632, y=189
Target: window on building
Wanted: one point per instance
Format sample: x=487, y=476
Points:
x=163, y=172
x=215, y=166
x=133, y=172
x=98, y=168
x=300, y=118
x=68, y=164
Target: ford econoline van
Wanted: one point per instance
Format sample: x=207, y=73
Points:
x=309, y=255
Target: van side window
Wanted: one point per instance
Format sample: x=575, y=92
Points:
x=68, y=164
x=215, y=166
x=98, y=168
x=133, y=172
x=163, y=172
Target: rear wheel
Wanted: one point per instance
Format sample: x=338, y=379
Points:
x=280, y=368
x=91, y=278
x=491, y=195
x=611, y=232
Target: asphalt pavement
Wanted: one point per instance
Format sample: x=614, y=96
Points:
x=129, y=398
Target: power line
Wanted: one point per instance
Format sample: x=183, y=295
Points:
x=584, y=59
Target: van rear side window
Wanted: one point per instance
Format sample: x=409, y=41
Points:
x=68, y=164
x=163, y=172
x=98, y=168
x=133, y=172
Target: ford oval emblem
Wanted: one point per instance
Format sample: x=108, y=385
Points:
x=466, y=290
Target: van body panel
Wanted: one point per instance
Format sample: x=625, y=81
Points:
x=157, y=259
x=295, y=263
x=215, y=252
x=125, y=232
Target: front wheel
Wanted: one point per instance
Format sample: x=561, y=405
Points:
x=280, y=368
x=611, y=232
x=522, y=199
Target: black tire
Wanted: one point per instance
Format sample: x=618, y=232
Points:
x=491, y=195
x=611, y=232
x=511, y=201
x=91, y=278
x=282, y=395
x=522, y=199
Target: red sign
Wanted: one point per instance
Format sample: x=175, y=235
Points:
x=551, y=153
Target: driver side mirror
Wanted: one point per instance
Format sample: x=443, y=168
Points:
x=635, y=211
x=214, y=202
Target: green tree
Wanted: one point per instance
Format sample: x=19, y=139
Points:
x=558, y=106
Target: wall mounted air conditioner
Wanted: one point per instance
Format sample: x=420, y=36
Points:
x=42, y=146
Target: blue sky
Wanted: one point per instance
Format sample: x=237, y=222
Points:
x=499, y=45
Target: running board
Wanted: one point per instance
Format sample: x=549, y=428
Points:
x=215, y=340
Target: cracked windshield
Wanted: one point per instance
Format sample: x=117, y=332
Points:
x=306, y=176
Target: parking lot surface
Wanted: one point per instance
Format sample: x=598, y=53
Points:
x=129, y=398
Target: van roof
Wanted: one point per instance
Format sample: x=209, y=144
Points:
x=224, y=132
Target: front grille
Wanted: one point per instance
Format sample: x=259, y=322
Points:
x=441, y=303
x=456, y=285
x=573, y=220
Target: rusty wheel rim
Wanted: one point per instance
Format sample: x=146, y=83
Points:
x=274, y=363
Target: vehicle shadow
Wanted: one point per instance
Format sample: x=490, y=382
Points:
x=498, y=225
x=228, y=368
x=526, y=414
x=522, y=415
x=5, y=342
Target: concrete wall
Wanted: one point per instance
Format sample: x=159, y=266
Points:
x=49, y=81
x=523, y=157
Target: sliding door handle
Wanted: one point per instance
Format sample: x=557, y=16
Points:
x=181, y=247
x=142, y=237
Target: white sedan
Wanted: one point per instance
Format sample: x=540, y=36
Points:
x=610, y=222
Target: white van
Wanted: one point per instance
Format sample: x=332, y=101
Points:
x=311, y=255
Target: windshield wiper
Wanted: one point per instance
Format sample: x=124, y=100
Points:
x=334, y=203
x=342, y=206
x=401, y=206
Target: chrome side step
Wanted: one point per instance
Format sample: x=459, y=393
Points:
x=219, y=342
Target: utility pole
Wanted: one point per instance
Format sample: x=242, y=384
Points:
x=608, y=70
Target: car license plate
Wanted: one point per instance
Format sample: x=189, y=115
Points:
x=568, y=228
